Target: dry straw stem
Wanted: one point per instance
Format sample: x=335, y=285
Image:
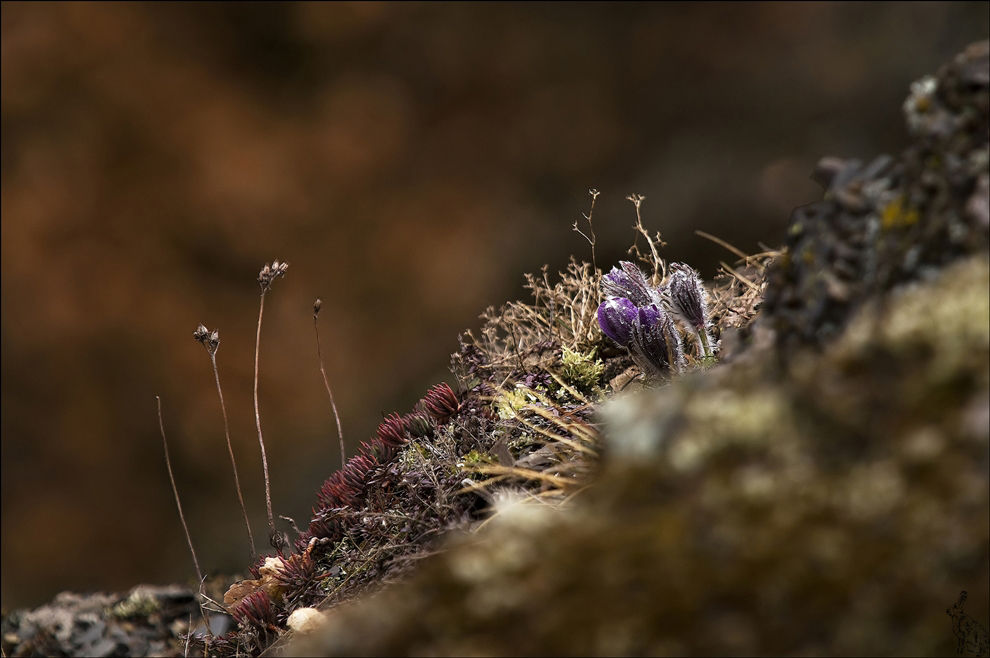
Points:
x=564, y=314
x=233, y=463
x=267, y=275
x=182, y=517
x=735, y=299
x=591, y=229
x=659, y=267
x=319, y=352
x=211, y=341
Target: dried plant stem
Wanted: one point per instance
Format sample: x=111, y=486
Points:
x=591, y=228
x=185, y=651
x=257, y=420
x=230, y=449
x=722, y=243
x=336, y=416
x=182, y=517
x=658, y=264
x=178, y=504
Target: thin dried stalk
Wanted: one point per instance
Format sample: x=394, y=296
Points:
x=319, y=352
x=233, y=462
x=182, y=516
x=175, y=490
x=257, y=420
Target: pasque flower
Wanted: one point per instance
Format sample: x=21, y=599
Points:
x=687, y=301
x=616, y=316
x=647, y=332
x=655, y=345
x=637, y=315
x=631, y=283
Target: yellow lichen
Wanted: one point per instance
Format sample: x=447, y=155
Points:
x=897, y=215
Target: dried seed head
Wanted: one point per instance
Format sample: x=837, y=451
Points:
x=269, y=273
x=209, y=339
x=616, y=316
x=316, y=306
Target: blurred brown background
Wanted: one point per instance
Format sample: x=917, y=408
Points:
x=410, y=162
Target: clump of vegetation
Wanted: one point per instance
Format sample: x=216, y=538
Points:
x=523, y=421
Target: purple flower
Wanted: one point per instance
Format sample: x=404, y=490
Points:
x=631, y=283
x=687, y=300
x=656, y=345
x=616, y=316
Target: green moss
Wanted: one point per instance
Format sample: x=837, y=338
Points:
x=509, y=403
x=475, y=458
x=138, y=604
x=580, y=370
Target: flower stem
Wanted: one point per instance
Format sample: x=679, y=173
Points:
x=257, y=418
x=319, y=352
x=230, y=449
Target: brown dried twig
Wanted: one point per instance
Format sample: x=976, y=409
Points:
x=267, y=275
x=591, y=228
x=659, y=266
x=182, y=517
x=340, y=432
x=211, y=341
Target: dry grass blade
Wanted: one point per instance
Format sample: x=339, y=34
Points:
x=728, y=269
x=525, y=473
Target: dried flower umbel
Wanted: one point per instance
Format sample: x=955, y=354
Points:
x=211, y=341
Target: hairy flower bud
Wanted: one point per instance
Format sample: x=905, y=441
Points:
x=687, y=300
x=631, y=283
x=655, y=345
x=616, y=316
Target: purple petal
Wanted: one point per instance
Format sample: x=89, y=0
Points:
x=649, y=316
x=616, y=316
x=631, y=283
x=656, y=345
